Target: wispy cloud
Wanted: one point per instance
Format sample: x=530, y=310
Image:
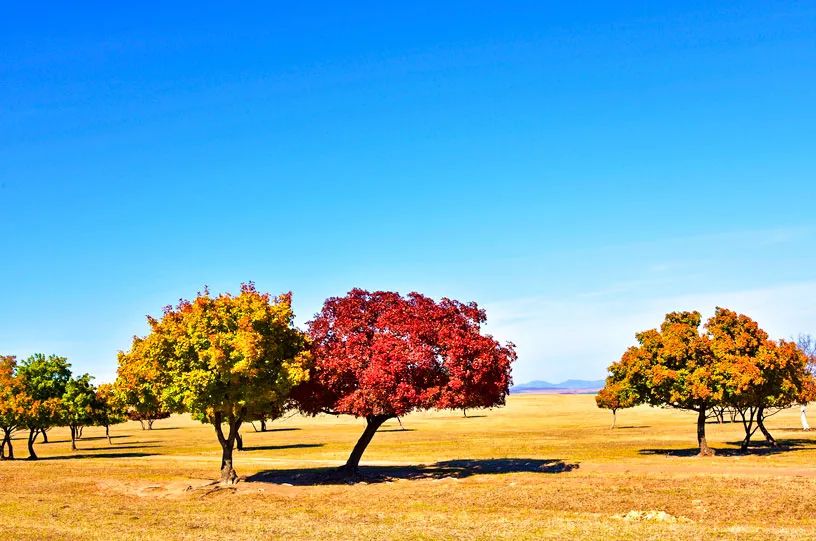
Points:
x=579, y=336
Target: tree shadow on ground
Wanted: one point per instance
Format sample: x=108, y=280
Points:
x=95, y=455
x=758, y=448
x=279, y=447
x=114, y=447
x=286, y=429
x=624, y=427
x=396, y=430
x=453, y=469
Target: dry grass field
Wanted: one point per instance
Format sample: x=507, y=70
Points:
x=544, y=467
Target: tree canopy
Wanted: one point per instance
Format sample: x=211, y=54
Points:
x=732, y=363
x=226, y=359
x=380, y=355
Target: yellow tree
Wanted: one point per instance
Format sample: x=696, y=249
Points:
x=138, y=387
x=228, y=359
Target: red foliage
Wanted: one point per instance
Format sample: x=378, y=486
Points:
x=381, y=354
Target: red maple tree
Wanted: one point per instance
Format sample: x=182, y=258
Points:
x=380, y=355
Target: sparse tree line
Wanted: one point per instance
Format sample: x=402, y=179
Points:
x=229, y=359
x=729, y=368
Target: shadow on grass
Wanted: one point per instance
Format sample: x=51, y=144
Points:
x=115, y=447
x=95, y=455
x=279, y=447
x=396, y=430
x=454, y=469
x=759, y=448
x=624, y=427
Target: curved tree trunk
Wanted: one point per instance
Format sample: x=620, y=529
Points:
x=150, y=424
x=7, y=442
x=107, y=434
x=614, y=418
x=705, y=450
x=73, y=437
x=32, y=435
x=141, y=422
x=44, y=433
x=373, y=423
x=761, y=423
x=239, y=442
x=228, y=475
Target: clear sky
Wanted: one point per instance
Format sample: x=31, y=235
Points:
x=578, y=169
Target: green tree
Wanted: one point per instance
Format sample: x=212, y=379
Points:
x=78, y=403
x=44, y=380
x=229, y=359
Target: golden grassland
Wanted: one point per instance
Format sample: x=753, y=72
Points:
x=543, y=467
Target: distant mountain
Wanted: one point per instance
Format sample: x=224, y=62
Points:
x=569, y=386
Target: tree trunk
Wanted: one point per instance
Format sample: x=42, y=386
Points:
x=107, y=434
x=32, y=435
x=141, y=422
x=150, y=424
x=239, y=442
x=761, y=423
x=228, y=475
x=464, y=412
x=73, y=437
x=705, y=450
x=7, y=442
x=263, y=425
x=614, y=418
x=748, y=425
x=44, y=433
x=79, y=432
x=373, y=423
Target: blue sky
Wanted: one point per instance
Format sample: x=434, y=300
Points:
x=579, y=170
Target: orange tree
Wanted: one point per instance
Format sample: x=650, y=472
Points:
x=616, y=395
x=763, y=376
x=11, y=401
x=673, y=366
x=228, y=359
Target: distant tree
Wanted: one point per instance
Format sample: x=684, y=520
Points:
x=379, y=356
x=674, y=367
x=227, y=359
x=139, y=385
x=44, y=380
x=107, y=409
x=78, y=405
x=616, y=395
x=807, y=344
x=11, y=401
